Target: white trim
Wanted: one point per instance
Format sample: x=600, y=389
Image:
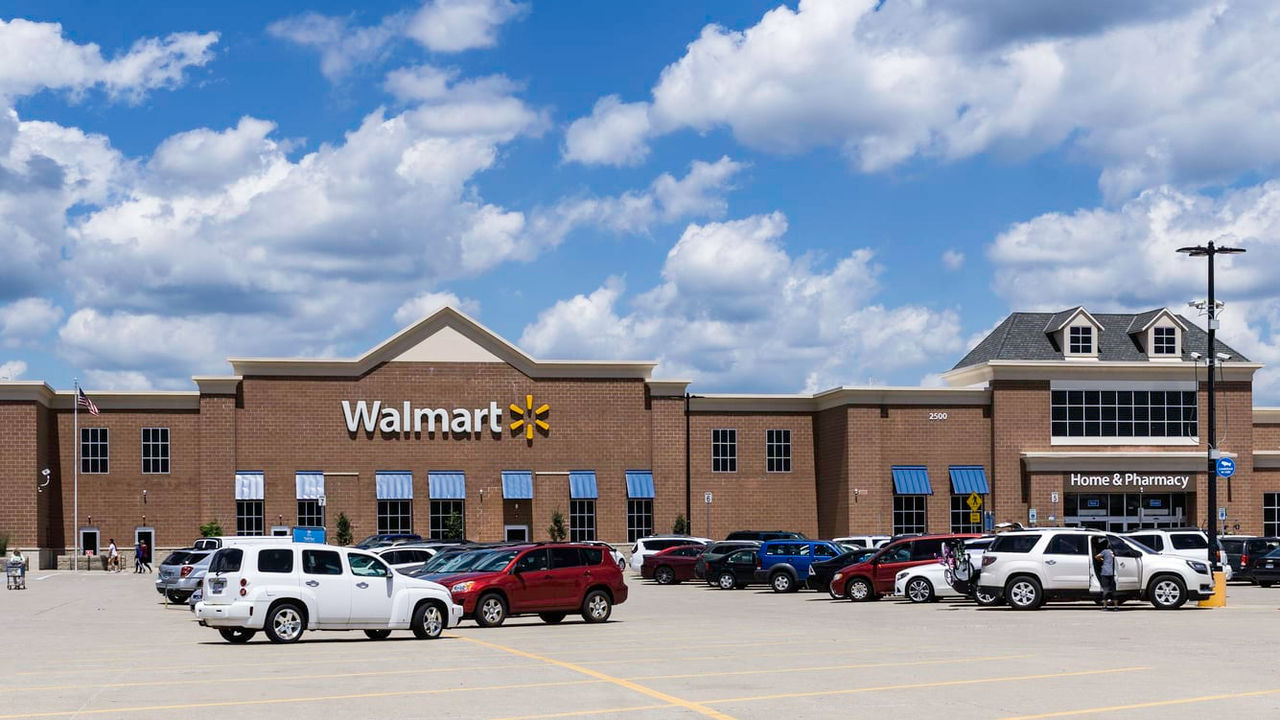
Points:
x=839, y=397
x=1266, y=416
x=1268, y=459
x=1125, y=440
x=525, y=528
x=990, y=370
x=1162, y=313
x=1079, y=310
x=667, y=388
x=1140, y=385
x=217, y=384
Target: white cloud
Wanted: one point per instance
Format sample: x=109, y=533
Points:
x=456, y=25
x=952, y=259
x=12, y=370
x=342, y=46
x=1144, y=89
x=615, y=133
x=34, y=56
x=420, y=306
x=735, y=310
x=27, y=320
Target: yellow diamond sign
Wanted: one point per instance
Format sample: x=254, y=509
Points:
x=974, y=502
x=528, y=417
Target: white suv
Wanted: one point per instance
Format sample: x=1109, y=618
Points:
x=1192, y=544
x=284, y=588
x=1027, y=568
x=655, y=544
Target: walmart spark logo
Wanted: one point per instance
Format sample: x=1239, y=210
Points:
x=528, y=416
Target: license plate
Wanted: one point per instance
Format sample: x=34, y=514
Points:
x=216, y=586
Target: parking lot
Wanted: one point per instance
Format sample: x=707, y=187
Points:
x=103, y=646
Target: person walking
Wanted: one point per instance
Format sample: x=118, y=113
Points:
x=113, y=556
x=137, y=557
x=1107, y=574
x=146, y=556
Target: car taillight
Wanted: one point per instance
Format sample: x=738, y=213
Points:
x=1244, y=560
x=186, y=570
x=243, y=582
x=987, y=560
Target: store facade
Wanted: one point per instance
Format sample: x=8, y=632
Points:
x=447, y=429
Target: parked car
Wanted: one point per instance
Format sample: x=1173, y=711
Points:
x=784, y=564
x=551, y=580
x=870, y=579
x=735, y=570
x=863, y=541
x=177, y=578
x=287, y=588
x=1266, y=570
x=765, y=535
x=451, y=562
x=654, y=544
x=618, y=558
x=1244, y=551
x=673, y=565
x=924, y=583
x=1190, y=543
x=1030, y=568
x=401, y=557
x=821, y=571
x=715, y=551
x=385, y=539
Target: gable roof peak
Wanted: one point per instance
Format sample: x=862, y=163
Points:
x=1059, y=320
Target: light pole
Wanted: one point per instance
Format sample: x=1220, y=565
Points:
x=1209, y=251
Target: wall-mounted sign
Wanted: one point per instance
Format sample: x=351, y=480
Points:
x=407, y=418
x=1128, y=480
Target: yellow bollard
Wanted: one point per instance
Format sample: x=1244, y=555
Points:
x=1219, y=597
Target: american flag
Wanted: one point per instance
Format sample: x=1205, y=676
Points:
x=84, y=402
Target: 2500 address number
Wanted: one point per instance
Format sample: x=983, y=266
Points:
x=937, y=416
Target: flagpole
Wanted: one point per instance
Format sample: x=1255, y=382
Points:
x=75, y=466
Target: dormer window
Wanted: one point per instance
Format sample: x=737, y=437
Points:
x=1080, y=340
x=1164, y=341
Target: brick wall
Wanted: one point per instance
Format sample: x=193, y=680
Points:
x=19, y=465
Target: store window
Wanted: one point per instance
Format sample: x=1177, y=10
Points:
x=1164, y=341
x=962, y=518
x=1124, y=413
x=310, y=513
x=1271, y=514
x=582, y=520
x=155, y=450
x=1080, y=340
x=395, y=516
x=777, y=450
x=249, y=517
x=639, y=518
x=724, y=450
x=909, y=514
x=93, y=450
x=448, y=519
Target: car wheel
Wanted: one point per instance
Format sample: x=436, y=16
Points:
x=596, y=607
x=552, y=618
x=1167, y=592
x=920, y=590
x=860, y=590
x=491, y=611
x=284, y=624
x=1024, y=593
x=377, y=634
x=1266, y=584
x=665, y=575
x=986, y=599
x=726, y=581
x=237, y=636
x=781, y=582
x=177, y=597
x=427, y=622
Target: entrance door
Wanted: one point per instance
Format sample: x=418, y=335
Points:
x=89, y=540
x=515, y=533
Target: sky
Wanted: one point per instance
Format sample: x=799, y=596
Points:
x=760, y=196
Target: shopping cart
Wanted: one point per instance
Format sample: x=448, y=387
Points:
x=15, y=573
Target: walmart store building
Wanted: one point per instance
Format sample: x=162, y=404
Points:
x=1089, y=419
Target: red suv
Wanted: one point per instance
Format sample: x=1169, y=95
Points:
x=870, y=579
x=551, y=580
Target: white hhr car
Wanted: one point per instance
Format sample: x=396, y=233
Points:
x=286, y=588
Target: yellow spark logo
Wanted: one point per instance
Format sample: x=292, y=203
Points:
x=529, y=416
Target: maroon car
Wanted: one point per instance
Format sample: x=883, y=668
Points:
x=551, y=580
x=672, y=565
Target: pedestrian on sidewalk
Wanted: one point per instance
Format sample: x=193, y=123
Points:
x=146, y=556
x=137, y=557
x=113, y=556
x=1107, y=574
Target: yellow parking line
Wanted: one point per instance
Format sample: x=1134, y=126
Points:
x=259, y=678
x=281, y=701
x=737, y=655
x=1154, y=703
x=620, y=682
x=910, y=686
x=80, y=669
x=580, y=713
x=813, y=668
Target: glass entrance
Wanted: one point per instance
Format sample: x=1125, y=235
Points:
x=1124, y=512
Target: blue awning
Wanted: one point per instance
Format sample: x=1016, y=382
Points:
x=911, y=480
x=447, y=485
x=310, y=484
x=582, y=485
x=394, y=485
x=639, y=484
x=517, y=485
x=967, y=479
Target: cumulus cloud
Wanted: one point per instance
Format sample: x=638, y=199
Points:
x=420, y=306
x=736, y=311
x=34, y=56
x=456, y=25
x=27, y=320
x=952, y=259
x=12, y=370
x=1144, y=89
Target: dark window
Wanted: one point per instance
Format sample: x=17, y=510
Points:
x=1155, y=542
x=897, y=553
x=448, y=520
x=310, y=513
x=321, y=562
x=926, y=549
x=275, y=561
x=94, y=448
x=962, y=518
x=1188, y=541
x=227, y=560
x=155, y=450
x=532, y=561
x=692, y=551
x=743, y=556
x=592, y=556
x=248, y=517
x=565, y=557
x=639, y=518
x=724, y=450
x=395, y=516
x=777, y=450
x=1165, y=341
x=1124, y=414
x=1014, y=543
x=1080, y=340
x=909, y=514
x=823, y=551
x=582, y=520
x=1271, y=514
x=1068, y=544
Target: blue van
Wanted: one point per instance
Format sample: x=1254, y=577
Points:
x=784, y=564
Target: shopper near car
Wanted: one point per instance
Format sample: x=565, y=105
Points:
x=1107, y=574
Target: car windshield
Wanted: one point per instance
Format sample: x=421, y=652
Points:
x=495, y=561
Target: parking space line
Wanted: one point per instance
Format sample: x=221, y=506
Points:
x=740, y=655
x=582, y=713
x=1152, y=704
x=912, y=686
x=282, y=701
x=80, y=669
x=813, y=668
x=620, y=682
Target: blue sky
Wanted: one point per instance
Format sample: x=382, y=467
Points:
x=762, y=196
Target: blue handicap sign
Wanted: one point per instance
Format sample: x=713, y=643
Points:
x=1226, y=467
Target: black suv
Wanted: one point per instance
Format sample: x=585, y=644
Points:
x=735, y=570
x=765, y=535
x=715, y=552
x=1244, y=552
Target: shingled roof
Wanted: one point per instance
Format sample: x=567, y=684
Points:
x=1022, y=336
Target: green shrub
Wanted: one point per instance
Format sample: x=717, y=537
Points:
x=213, y=528
x=343, y=535
x=557, y=530
x=681, y=525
